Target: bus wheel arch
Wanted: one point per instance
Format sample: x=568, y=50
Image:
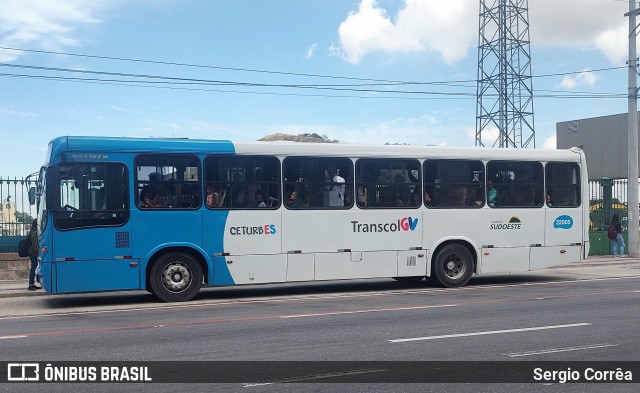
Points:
x=453, y=263
x=175, y=274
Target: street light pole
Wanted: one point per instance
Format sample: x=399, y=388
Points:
x=632, y=180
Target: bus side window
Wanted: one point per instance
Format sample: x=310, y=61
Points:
x=454, y=184
x=518, y=183
x=563, y=184
x=233, y=182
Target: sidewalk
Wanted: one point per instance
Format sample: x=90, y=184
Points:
x=18, y=288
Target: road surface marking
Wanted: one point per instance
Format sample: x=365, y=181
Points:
x=10, y=337
x=556, y=350
x=366, y=311
x=401, y=340
x=313, y=377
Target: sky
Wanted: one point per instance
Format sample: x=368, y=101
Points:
x=244, y=69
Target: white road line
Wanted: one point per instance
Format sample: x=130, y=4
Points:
x=366, y=311
x=303, y=378
x=10, y=337
x=556, y=350
x=401, y=340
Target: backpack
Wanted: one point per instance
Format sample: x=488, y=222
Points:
x=612, y=234
x=23, y=247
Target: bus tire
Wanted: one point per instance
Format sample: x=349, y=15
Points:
x=175, y=277
x=453, y=265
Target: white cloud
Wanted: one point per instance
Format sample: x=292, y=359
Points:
x=550, y=143
x=574, y=23
x=422, y=25
x=11, y=112
x=310, y=51
x=490, y=136
x=614, y=43
x=450, y=28
x=45, y=24
x=586, y=77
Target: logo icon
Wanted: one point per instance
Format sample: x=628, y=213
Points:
x=408, y=223
x=563, y=222
x=23, y=372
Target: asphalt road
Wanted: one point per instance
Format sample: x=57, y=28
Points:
x=566, y=314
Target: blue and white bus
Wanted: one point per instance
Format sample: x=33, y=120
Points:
x=174, y=215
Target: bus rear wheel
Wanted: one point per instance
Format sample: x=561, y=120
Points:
x=175, y=277
x=453, y=265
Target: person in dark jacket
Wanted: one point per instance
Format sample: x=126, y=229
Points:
x=619, y=240
x=34, y=249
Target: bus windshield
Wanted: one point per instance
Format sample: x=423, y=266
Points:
x=90, y=195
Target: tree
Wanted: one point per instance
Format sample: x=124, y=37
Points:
x=24, y=218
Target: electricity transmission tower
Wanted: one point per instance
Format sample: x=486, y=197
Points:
x=504, y=95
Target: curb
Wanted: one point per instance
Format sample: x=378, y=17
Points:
x=605, y=262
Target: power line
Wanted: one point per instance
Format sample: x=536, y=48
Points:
x=181, y=86
x=148, y=85
x=178, y=80
x=148, y=80
x=384, y=81
x=219, y=67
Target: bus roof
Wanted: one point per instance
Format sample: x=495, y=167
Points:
x=92, y=144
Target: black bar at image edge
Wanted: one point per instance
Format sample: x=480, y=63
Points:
x=267, y=372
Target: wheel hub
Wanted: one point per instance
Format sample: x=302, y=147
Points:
x=176, y=277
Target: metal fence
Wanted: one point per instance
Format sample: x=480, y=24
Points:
x=607, y=197
x=16, y=214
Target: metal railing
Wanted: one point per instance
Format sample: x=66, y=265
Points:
x=16, y=214
x=607, y=197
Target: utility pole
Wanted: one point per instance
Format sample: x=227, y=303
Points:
x=632, y=181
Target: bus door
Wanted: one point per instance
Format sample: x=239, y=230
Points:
x=92, y=236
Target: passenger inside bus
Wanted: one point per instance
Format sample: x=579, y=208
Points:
x=292, y=202
x=415, y=199
x=214, y=198
x=151, y=196
x=427, y=199
x=492, y=194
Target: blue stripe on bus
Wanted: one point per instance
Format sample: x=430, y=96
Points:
x=214, y=224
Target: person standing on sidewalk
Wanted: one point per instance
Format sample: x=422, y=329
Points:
x=619, y=240
x=34, y=249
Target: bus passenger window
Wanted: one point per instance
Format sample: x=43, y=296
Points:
x=388, y=183
x=454, y=184
x=318, y=182
x=563, y=184
x=242, y=182
x=167, y=181
x=516, y=184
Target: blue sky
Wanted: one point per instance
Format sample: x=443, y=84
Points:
x=288, y=41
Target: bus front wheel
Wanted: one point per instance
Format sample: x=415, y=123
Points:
x=175, y=277
x=453, y=265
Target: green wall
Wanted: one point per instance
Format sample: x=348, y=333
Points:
x=601, y=245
